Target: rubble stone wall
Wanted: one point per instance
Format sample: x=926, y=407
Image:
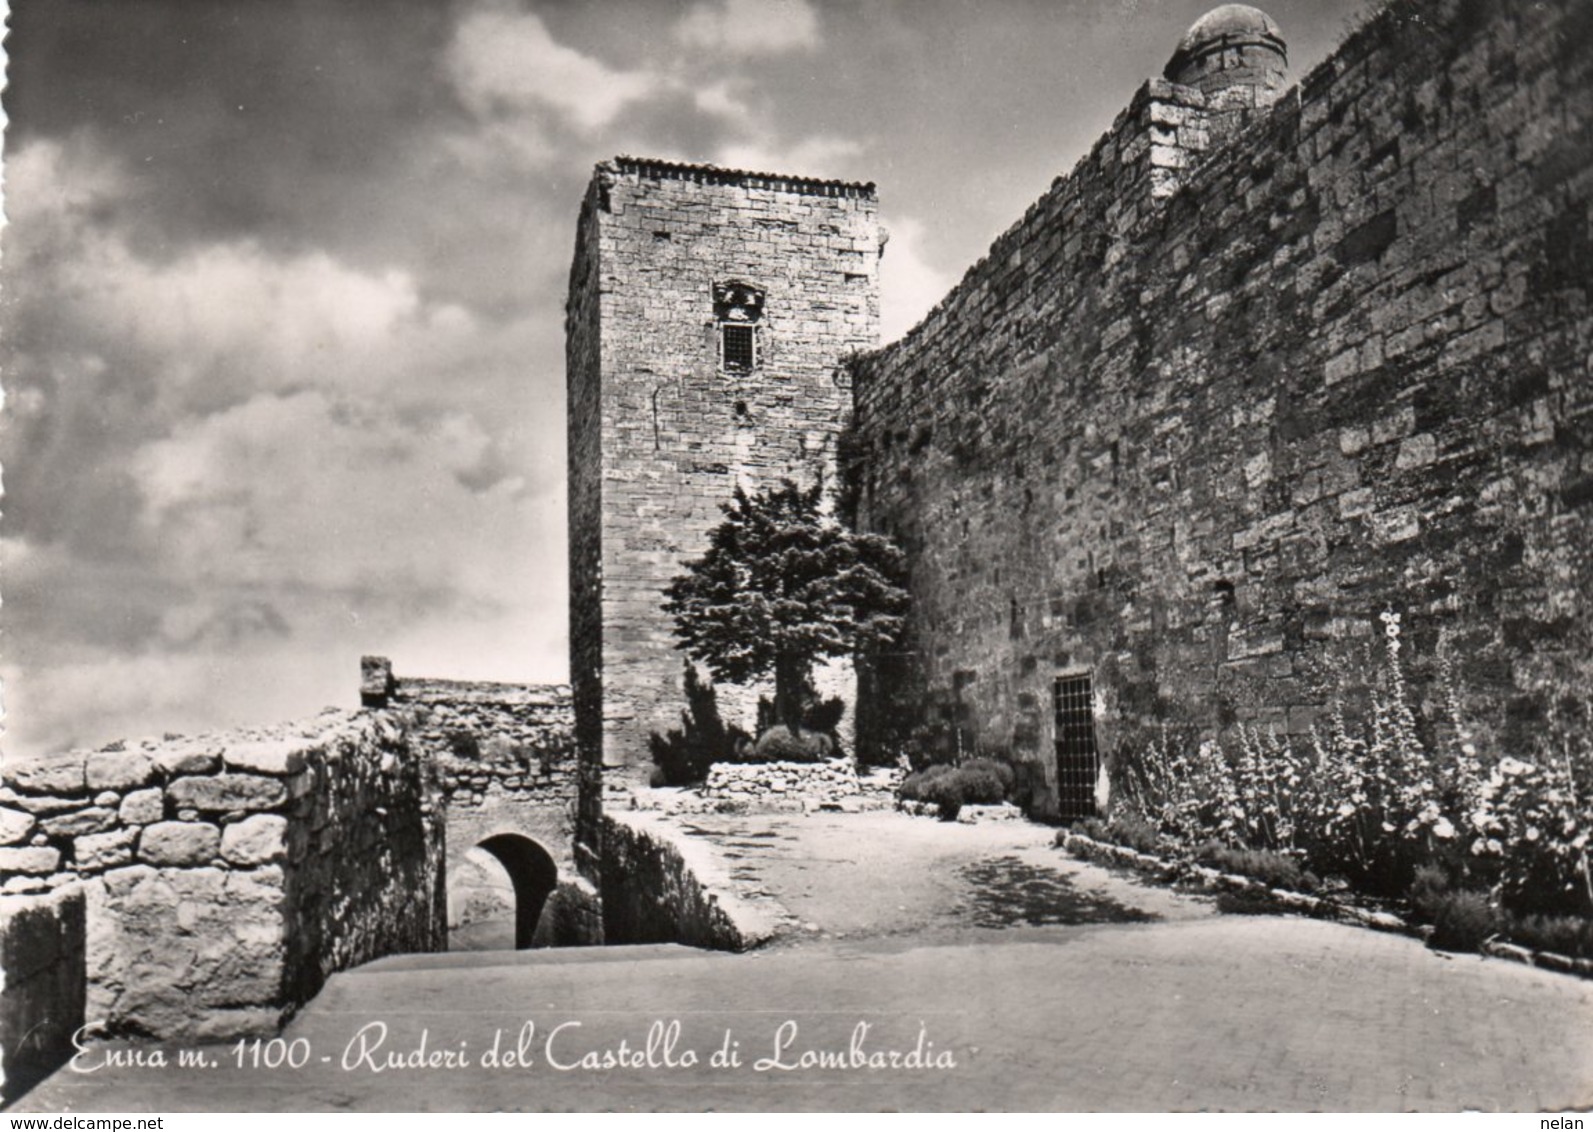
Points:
x=503, y=756
x=226, y=877
x=504, y=759
x=1241, y=382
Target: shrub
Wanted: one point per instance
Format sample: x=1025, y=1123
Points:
x=947, y=793
x=915, y=786
x=1093, y=828
x=778, y=745
x=978, y=782
x=1428, y=890
x=683, y=757
x=984, y=781
x=1534, y=821
x=1564, y=935
x=1126, y=829
x=1271, y=868
x=821, y=716
x=1247, y=903
x=1462, y=921
x=824, y=716
x=1130, y=829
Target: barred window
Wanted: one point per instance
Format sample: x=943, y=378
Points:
x=738, y=348
x=738, y=308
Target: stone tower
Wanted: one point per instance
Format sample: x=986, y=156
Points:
x=1235, y=55
x=710, y=316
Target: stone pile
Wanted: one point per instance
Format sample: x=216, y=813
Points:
x=780, y=787
x=828, y=781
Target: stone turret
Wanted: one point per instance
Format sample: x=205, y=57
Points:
x=1235, y=54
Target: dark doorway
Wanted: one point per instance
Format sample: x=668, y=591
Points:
x=532, y=873
x=1077, y=763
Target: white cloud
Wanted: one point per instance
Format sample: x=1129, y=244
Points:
x=818, y=156
x=724, y=100
x=289, y=535
x=245, y=467
x=49, y=176
x=233, y=309
x=750, y=27
x=505, y=60
x=909, y=287
x=315, y=491
x=210, y=325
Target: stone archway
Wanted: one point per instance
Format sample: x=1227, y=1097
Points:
x=534, y=875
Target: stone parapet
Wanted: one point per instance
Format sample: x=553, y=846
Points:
x=661, y=886
x=226, y=876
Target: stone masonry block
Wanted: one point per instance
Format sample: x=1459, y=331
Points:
x=275, y=757
x=92, y=820
x=179, y=843
x=36, y=861
x=119, y=770
x=1401, y=422
x=174, y=761
x=15, y=825
x=227, y=792
x=255, y=840
x=1417, y=451
x=97, y=851
x=142, y=807
x=45, y=777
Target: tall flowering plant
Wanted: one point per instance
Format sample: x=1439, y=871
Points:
x=1532, y=822
x=1375, y=801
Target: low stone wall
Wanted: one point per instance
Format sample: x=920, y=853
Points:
x=660, y=887
x=1214, y=880
x=41, y=985
x=227, y=876
x=821, y=783
x=778, y=787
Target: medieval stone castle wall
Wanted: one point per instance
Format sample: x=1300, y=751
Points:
x=1267, y=364
x=1247, y=379
x=670, y=412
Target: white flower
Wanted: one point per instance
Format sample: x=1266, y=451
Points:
x=1443, y=829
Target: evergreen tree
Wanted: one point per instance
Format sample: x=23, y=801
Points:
x=781, y=586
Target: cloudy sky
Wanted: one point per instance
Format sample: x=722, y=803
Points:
x=281, y=324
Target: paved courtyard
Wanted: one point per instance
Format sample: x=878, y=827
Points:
x=1152, y=1002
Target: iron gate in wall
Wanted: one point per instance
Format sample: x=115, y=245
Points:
x=1077, y=762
